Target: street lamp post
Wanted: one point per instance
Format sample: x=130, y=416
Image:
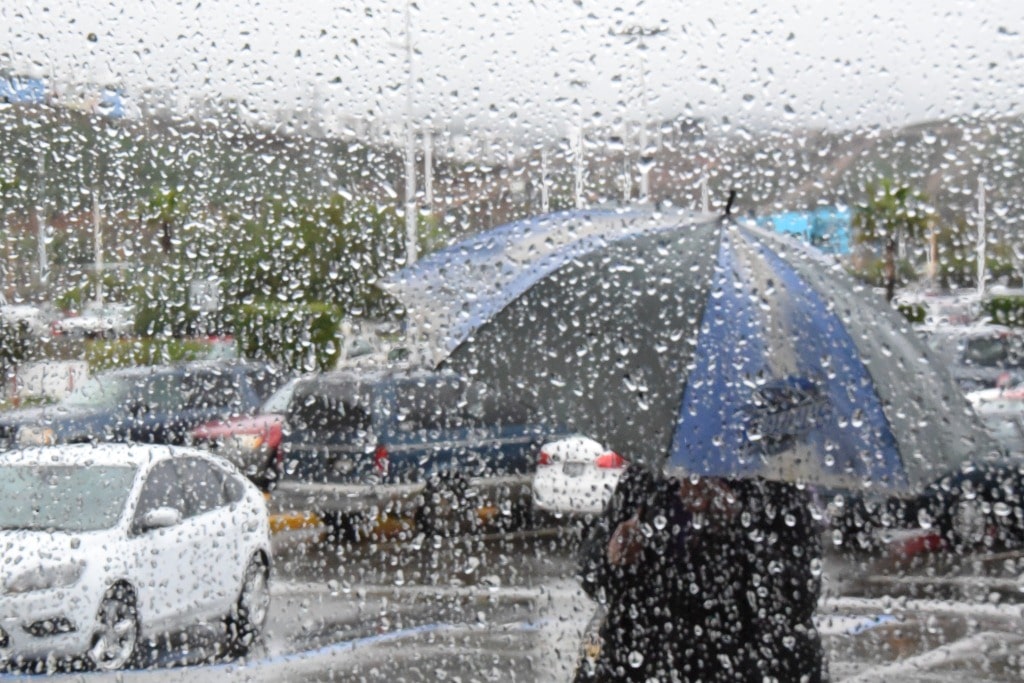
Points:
x=638, y=34
x=410, y=148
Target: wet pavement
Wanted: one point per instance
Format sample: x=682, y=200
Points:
x=505, y=607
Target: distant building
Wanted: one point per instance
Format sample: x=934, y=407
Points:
x=827, y=228
x=22, y=90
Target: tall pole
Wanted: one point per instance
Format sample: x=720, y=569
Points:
x=410, y=148
x=544, y=202
x=578, y=161
x=428, y=168
x=981, y=236
x=44, y=263
x=97, y=234
x=644, y=161
x=705, y=199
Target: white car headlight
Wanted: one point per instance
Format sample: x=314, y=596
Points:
x=36, y=436
x=44, y=578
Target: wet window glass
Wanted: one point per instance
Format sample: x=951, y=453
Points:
x=481, y=340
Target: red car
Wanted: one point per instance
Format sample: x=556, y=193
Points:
x=251, y=443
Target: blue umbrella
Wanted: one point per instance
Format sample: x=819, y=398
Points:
x=709, y=346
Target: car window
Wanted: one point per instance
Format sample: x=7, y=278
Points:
x=205, y=390
x=1002, y=351
x=278, y=401
x=234, y=487
x=430, y=403
x=264, y=382
x=164, y=392
x=202, y=486
x=162, y=488
x=324, y=415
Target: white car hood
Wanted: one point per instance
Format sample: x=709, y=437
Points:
x=23, y=550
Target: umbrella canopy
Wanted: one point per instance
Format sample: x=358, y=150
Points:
x=705, y=345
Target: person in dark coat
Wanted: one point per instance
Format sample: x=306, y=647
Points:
x=781, y=550
x=704, y=580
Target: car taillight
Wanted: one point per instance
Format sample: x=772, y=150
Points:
x=610, y=461
x=380, y=460
x=543, y=459
x=274, y=435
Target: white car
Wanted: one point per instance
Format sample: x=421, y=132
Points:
x=106, y=546
x=110, y=320
x=35, y=319
x=575, y=476
x=1002, y=411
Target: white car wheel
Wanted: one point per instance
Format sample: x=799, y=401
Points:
x=117, y=635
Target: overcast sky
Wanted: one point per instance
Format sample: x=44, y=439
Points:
x=538, y=66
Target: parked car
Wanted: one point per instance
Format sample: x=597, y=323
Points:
x=108, y=320
x=978, y=356
x=575, y=476
x=1002, y=411
x=430, y=444
x=977, y=507
x=156, y=404
x=109, y=546
x=252, y=443
x=34, y=320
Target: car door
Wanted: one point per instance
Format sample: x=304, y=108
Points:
x=158, y=569
x=212, y=537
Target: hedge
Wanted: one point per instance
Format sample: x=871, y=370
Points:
x=1005, y=310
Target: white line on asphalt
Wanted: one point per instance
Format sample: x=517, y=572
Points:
x=283, y=588
x=972, y=647
x=888, y=605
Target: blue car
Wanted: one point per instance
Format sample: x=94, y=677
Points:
x=431, y=445
x=149, y=404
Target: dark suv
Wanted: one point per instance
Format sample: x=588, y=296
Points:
x=154, y=404
x=979, y=356
x=434, y=445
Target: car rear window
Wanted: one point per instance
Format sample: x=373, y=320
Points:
x=994, y=352
x=327, y=414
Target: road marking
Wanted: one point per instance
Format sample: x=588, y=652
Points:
x=973, y=647
x=888, y=605
x=285, y=588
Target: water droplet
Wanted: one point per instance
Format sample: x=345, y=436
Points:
x=635, y=659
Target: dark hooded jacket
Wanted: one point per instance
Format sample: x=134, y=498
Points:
x=708, y=600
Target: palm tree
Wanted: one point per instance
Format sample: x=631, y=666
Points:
x=890, y=213
x=165, y=208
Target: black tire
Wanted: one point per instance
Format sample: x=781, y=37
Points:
x=249, y=615
x=116, y=641
x=445, y=505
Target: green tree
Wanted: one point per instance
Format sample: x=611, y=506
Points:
x=890, y=213
x=165, y=209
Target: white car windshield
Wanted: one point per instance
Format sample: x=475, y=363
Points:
x=63, y=498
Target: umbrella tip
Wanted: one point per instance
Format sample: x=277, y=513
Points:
x=729, y=202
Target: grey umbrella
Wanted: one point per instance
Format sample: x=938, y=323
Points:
x=707, y=345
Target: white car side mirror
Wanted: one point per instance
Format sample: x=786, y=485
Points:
x=160, y=518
